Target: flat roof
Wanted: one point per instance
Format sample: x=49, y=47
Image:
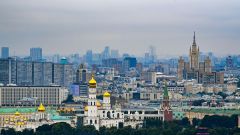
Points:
x=32, y=86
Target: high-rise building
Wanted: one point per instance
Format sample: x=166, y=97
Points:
x=194, y=55
x=36, y=54
x=24, y=73
x=106, y=53
x=34, y=73
x=63, y=74
x=83, y=90
x=68, y=73
x=152, y=52
x=28, y=73
x=114, y=54
x=208, y=65
x=5, y=52
x=129, y=62
x=229, y=63
x=181, y=68
x=194, y=69
x=64, y=60
x=47, y=73
x=37, y=73
x=56, y=58
x=8, y=71
x=89, y=57
x=58, y=74
x=81, y=74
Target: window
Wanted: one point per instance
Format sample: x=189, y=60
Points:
x=108, y=114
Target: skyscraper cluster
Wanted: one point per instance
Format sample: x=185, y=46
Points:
x=194, y=69
x=31, y=73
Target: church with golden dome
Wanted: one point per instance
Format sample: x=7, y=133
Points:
x=21, y=118
x=98, y=113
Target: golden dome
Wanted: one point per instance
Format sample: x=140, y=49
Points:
x=86, y=108
x=92, y=83
x=17, y=113
x=41, y=108
x=98, y=104
x=106, y=94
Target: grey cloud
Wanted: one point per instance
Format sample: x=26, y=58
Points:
x=69, y=26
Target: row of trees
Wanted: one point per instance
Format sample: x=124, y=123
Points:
x=215, y=125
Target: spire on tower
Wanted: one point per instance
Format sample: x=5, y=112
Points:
x=165, y=94
x=194, y=40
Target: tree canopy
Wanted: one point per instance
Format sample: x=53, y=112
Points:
x=214, y=125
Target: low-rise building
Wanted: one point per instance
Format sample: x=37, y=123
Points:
x=48, y=95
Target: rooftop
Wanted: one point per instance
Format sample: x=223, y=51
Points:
x=216, y=111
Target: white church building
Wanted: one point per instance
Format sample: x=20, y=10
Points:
x=101, y=115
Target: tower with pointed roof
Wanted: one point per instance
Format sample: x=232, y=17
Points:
x=92, y=108
x=194, y=55
x=201, y=71
x=165, y=107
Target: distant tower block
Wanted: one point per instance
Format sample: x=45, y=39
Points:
x=194, y=55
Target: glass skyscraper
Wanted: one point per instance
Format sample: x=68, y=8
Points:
x=4, y=52
x=36, y=54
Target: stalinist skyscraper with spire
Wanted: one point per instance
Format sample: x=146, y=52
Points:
x=194, y=55
x=199, y=70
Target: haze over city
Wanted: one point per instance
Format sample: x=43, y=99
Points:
x=74, y=26
x=119, y=67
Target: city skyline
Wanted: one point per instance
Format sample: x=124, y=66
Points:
x=66, y=27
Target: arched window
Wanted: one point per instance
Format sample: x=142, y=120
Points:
x=118, y=115
x=90, y=122
x=95, y=121
x=109, y=114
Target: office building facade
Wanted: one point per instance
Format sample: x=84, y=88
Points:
x=15, y=95
x=27, y=73
x=4, y=52
x=36, y=54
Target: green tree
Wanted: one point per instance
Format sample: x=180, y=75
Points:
x=152, y=123
x=222, y=131
x=62, y=128
x=10, y=131
x=212, y=132
x=219, y=121
x=185, y=122
x=188, y=131
x=27, y=132
x=87, y=130
x=44, y=130
x=195, y=122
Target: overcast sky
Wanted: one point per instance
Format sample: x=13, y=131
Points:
x=74, y=26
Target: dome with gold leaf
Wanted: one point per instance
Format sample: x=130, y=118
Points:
x=41, y=108
x=106, y=94
x=17, y=113
x=92, y=83
x=86, y=108
x=98, y=104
